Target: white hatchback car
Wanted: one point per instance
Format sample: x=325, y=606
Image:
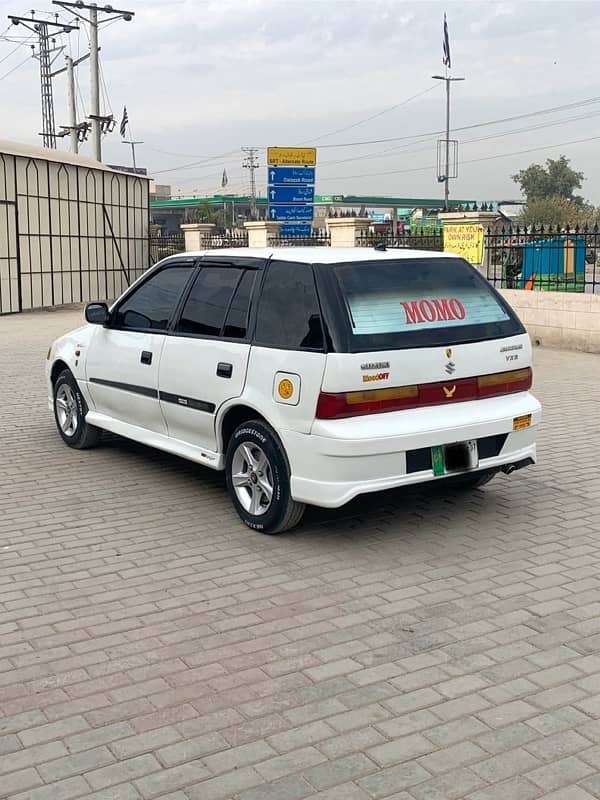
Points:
x=310, y=375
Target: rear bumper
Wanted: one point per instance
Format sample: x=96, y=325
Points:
x=330, y=470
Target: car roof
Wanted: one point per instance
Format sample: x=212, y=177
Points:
x=320, y=255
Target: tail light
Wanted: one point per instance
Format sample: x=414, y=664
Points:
x=372, y=401
x=519, y=380
x=341, y=405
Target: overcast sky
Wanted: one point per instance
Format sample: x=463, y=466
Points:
x=202, y=78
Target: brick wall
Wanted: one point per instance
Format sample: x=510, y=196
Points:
x=559, y=319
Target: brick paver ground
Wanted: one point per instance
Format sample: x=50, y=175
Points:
x=412, y=646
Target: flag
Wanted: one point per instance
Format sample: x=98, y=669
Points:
x=446, y=60
x=124, y=122
x=224, y=179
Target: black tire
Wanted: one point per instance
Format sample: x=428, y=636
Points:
x=79, y=434
x=471, y=480
x=279, y=514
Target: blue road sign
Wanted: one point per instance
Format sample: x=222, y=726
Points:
x=291, y=176
x=291, y=194
x=290, y=213
x=296, y=229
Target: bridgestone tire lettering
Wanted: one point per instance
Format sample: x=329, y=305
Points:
x=284, y=512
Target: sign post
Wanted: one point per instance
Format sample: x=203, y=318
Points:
x=291, y=188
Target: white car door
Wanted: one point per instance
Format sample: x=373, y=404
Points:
x=205, y=357
x=123, y=359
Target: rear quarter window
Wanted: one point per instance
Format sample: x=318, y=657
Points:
x=422, y=302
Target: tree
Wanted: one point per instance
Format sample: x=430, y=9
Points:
x=556, y=179
x=558, y=212
x=204, y=212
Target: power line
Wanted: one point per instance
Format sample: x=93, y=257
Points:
x=100, y=124
x=469, y=161
x=48, y=52
x=373, y=116
x=14, y=69
x=207, y=160
x=189, y=155
x=107, y=104
x=500, y=121
x=387, y=152
x=502, y=135
x=412, y=139
x=323, y=135
x=12, y=52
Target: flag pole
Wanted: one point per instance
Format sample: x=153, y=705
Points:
x=125, y=126
x=448, y=80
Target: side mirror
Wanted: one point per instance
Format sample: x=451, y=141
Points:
x=97, y=313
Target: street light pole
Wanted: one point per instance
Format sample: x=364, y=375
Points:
x=133, y=144
x=448, y=80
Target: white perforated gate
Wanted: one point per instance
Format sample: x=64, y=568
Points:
x=69, y=232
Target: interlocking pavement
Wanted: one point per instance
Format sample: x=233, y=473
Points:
x=415, y=645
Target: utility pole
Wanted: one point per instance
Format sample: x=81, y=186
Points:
x=100, y=124
x=48, y=127
x=72, y=106
x=77, y=131
x=447, y=171
x=95, y=85
x=251, y=163
x=40, y=27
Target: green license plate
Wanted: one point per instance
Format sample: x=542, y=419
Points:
x=437, y=461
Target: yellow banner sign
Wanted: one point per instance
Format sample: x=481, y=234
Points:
x=291, y=156
x=466, y=241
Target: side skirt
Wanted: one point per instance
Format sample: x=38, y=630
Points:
x=158, y=440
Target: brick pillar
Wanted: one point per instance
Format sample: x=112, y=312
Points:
x=346, y=231
x=262, y=233
x=197, y=235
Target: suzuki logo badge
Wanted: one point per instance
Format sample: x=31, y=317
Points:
x=450, y=367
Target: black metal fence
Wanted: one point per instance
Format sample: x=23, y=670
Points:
x=166, y=245
x=561, y=259
x=546, y=259
x=224, y=240
x=419, y=239
x=316, y=239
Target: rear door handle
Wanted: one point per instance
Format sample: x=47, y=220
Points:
x=224, y=370
x=146, y=357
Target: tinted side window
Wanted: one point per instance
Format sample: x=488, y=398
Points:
x=236, y=324
x=152, y=305
x=204, y=310
x=288, y=311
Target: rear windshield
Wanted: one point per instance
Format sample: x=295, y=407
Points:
x=419, y=303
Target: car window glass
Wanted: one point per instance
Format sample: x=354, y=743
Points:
x=205, y=308
x=236, y=324
x=288, y=311
x=152, y=305
x=419, y=302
